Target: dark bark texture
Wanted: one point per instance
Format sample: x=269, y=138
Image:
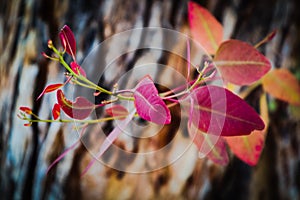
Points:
x=26, y=152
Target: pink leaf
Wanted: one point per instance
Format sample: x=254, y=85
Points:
x=68, y=41
x=81, y=108
x=117, y=111
x=205, y=28
x=148, y=103
x=212, y=146
x=248, y=148
x=110, y=139
x=50, y=88
x=240, y=63
x=220, y=112
x=77, y=69
x=56, y=111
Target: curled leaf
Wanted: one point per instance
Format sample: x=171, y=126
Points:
x=205, y=28
x=56, y=111
x=240, y=63
x=50, y=88
x=220, y=112
x=26, y=110
x=148, y=104
x=81, y=108
x=283, y=85
x=68, y=41
x=77, y=69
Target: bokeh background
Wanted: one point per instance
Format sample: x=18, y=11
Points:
x=25, y=152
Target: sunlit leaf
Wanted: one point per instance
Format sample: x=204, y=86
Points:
x=110, y=139
x=283, y=85
x=77, y=69
x=81, y=108
x=240, y=63
x=50, y=88
x=248, y=148
x=148, y=104
x=204, y=27
x=220, y=112
x=56, y=111
x=117, y=111
x=68, y=41
x=211, y=146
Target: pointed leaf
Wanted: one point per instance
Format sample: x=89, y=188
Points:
x=56, y=111
x=68, y=41
x=212, y=146
x=205, y=28
x=117, y=111
x=77, y=69
x=110, y=139
x=148, y=103
x=220, y=112
x=81, y=108
x=50, y=88
x=283, y=85
x=240, y=63
x=28, y=124
x=26, y=110
x=248, y=148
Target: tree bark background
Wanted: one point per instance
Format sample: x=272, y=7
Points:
x=25, y=27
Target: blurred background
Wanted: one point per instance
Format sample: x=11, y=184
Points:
x=26, y=152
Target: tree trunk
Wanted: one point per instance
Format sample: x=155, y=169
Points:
x=26, y=152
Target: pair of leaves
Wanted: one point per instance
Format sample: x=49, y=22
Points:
x=80, y=109
x=238, y=62
x=148, y=104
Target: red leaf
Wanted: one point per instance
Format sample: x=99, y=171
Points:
x=205, y=28
x=28, y=124
x=283, y=85
x=81, y=108
x=26, y=110
x=212, y=146
x=56, y=111
x=77, y=69
x=220, y=112
x=248, y=148
x=148, y=103
x=240, y=63
x=68, y=41
x=50, y=88
x=117, y=111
